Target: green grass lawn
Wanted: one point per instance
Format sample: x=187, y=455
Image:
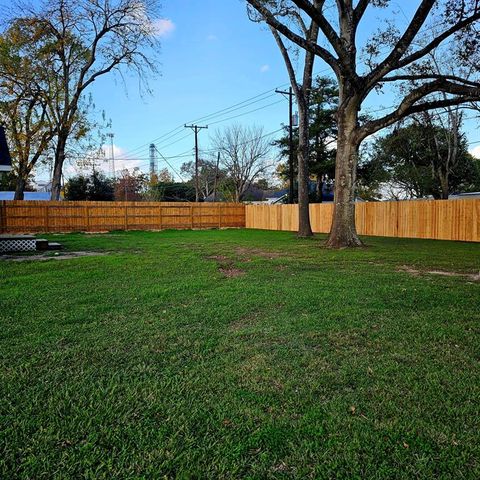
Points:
x=240, y=354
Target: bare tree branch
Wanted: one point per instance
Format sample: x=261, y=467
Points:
x=269, y=18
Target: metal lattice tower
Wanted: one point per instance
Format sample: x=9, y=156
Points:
x=112, y=156
x=153, y=160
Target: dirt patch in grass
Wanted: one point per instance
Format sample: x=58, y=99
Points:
x=226, y=266
x=416, y=273
x=49, y=256
x=257, y=252
x=230, y=271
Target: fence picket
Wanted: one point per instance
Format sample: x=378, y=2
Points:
x=43, y=216
x=435, y=219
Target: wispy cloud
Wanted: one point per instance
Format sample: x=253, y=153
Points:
x=163, y=27
x=212, y=38
x=123, y=161
x=475, y=152
x=264, y=68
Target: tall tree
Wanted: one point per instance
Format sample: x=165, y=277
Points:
x=131, y=186
x=302, y=90
x=96, y=187
x=456, y=21
x=421, y=159
x=322, y=134
x=89, y=39
x=24, y=106
x=209, y=175
x=244, y=154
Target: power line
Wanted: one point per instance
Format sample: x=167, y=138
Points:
x=175, y=132
x=245, y=103
x=170, y=165
x=246, y=113
x=213, y=150
x=225, y=111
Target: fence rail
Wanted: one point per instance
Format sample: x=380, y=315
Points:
x=436, y=219
x=42, y=216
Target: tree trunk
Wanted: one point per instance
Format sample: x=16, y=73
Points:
x=320, y=188
x=304, y=226
x=443, y=177
x=343, y=232
x=20, y=187
x=58, y=166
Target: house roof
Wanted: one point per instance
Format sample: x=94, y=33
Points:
x=5, y=159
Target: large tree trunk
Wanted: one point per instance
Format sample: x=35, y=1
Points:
x=20, y=187
x=58, y=168
x=343, y=232
x=304, y=226
x=443, y=178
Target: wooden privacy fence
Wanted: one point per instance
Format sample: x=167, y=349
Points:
x=36, y=216
x=437, y=219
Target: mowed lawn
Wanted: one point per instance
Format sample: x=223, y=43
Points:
x=241, y=354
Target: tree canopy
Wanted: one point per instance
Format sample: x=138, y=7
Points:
x=409, y=161
x=394, y=54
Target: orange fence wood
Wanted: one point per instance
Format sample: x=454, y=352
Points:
x=435, y=219
x=43, y=216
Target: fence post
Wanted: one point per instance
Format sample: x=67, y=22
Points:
x=160, y=216
x=47, y=219
x=87, y=217
x=126, y=216
x=191, y=215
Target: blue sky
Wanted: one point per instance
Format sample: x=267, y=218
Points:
x=212, y=57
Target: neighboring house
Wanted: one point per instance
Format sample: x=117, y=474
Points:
x=218, y=198
x=281, y=196
x=44, y=186
x=463, y=196
x=5, y=159
x=252, y=195
x=26, y=195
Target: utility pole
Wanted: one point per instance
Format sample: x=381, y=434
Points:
x=196, y=129
x=112, y=155
x=290, y=141
x=216, y=179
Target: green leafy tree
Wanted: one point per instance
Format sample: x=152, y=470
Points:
x=23, y=105
x=9, y=182
x=171, y=192
x=322, y=133
x=95, y=187
x=411, y=161
x=86, y=40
